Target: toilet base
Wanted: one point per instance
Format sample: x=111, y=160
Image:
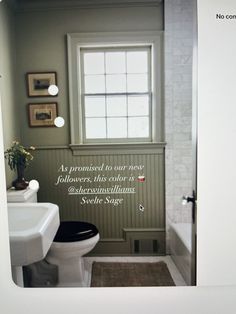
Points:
x=71, y=272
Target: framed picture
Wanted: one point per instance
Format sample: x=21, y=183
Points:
x=38, y=83
x=42, y=115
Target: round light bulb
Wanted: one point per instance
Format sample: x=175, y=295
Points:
x=53, y=90
x=59, y=122
x=34, y=185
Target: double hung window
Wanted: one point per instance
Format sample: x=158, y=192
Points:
x=116, y=93
x=115, y=88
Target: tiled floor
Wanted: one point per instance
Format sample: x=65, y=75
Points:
x=178, y=279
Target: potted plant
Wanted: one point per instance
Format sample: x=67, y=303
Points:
x=18, y=158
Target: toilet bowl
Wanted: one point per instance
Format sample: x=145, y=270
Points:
x=73, y=240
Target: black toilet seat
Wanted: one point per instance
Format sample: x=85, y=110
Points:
x=72, y=231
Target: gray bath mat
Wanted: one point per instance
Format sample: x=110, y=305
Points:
x=130, y=275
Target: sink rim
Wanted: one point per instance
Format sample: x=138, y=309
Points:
x=32, y=244
x=39, y=226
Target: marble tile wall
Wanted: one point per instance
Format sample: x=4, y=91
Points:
x=178, y=108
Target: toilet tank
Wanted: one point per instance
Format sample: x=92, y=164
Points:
x=22, y=196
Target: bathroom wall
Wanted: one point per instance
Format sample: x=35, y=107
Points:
x=10, y=104
x=178, y=107
x=122, y=217
x=41, y=46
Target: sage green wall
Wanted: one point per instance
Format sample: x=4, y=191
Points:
x=41, y=46
x=118, y=225
x=10, y=111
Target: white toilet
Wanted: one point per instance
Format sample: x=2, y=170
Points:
x=73, y=240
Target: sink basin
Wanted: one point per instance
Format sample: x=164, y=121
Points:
x=32, y=227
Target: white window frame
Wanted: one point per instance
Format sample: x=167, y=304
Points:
x=77, y=41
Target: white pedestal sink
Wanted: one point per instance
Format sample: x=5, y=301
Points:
x=32, y=227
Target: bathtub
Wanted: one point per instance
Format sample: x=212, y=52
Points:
x=180, y=248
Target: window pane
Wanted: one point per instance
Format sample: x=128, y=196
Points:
x=137, y=83
x=94, y=84
x=109, y=74
x=115, y=62
x=115, y=83
x=137, y=62
x=116, y=106
x=95, y=128
x=116, y=127
x=138, y=105
x=94, y=106
x=138, y=127
x=94, y=63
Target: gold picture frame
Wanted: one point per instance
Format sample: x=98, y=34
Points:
x=38, y=83
x=42, y=114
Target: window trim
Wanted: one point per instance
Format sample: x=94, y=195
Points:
x=76, y=41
